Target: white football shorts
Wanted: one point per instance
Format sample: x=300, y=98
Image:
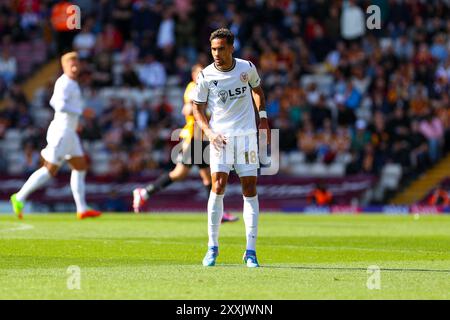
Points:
x=240, y=153
x=62, y=144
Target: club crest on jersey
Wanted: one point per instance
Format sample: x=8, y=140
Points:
x=244, y=77
x=223, y=94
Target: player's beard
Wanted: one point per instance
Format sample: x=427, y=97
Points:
x=221, y=63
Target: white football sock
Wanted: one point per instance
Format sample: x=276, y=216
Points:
x=215, y=213
x=35, y=181
x=251, y=213
x=78, y=189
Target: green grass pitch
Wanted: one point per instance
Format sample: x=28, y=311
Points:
x=158, y=256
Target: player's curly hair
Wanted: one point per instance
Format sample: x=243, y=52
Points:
x=222, y=33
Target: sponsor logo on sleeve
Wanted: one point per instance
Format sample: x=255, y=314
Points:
x=244, y=77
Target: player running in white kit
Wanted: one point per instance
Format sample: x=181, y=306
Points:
x=63, y=142
x=226, y=88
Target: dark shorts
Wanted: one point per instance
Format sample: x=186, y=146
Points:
x=195, y=154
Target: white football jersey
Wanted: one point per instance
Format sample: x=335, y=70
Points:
x=229, y=98
x=67, y=102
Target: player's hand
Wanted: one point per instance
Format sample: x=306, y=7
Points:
x=217, y=140
x=264, y=130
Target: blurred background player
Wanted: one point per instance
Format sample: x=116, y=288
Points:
x=63, y=142
x=185, y=159
x=227, y=86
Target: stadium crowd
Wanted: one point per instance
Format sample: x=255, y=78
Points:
x=332, y=85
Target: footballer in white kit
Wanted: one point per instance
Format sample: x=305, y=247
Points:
x=229, y=99
x=62, y=139
x=63, y=142
x=228, y=87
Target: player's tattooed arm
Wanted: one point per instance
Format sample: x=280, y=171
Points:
x=216, y=139
x=260, y=103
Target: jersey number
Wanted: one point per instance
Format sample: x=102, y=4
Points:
x=252, y=157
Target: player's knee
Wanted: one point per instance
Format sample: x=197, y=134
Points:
x=218, y=187
x=179, y=173
x=84, y=167
x=52, y=169
x=79, y=164
x=249, y=190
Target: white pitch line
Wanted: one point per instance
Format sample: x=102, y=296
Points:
x=21, y=227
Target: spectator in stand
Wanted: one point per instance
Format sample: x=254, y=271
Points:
x=273, y=102
x=307, y=142
x=186, y=40
x=166, y=32
x=144, y=116
x=320, y=113
x=90, y=129
x=130, y=77
x=152, y=73
x=352, y=21
x=163, y=111
x=360, y=137
x=130, y=54
x=345, y=116
x=398, y=126
x=369, y=160
x=29, y=19
x=418, y=148
x=8, y=67
x=352, y=97
x=326, y=140
x=145, y=22
x=432, y=128
x=102, y=75
x=439, y=50
x=84, y=42
x=110, y=39
x=403, y=48
x=122, y=15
